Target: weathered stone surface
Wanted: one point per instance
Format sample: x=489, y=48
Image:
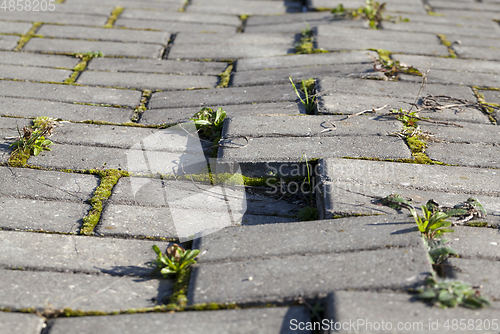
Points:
x=318, y=237
x=38, y=289
x=21, y=323
x=147, y=81
x=239, y=7
x=48, y=185
x=211, y=51
x=33, y=73
x=246, y=321
x=173, y=27
x=171, y=5
x=78, y=8
x=458, y=78
x=475, y=242
x=281, y=76
x=8, y=42
x=54, y=216
x=491, y=96
x=484, y=42
x=30, y=59
x=492, y=31
x=67, y=93
x=107, y=48
x=469, y=14
x=361, y=312
x=296, y=27
x=305, y=126
x=14, y=27
x=223, y=39
x=476, y=52
x=222, y=97
x=180, y=17
x=284, y=278
x=423, y=63
x=68, y=253
x=309, y=16
x=477, y=272
x=156, y=66
x=315, y=59
x=340, y=43
x=465, y=5
x=473, y=155
x=104, y=34
x=469, y=133
x=65, y=111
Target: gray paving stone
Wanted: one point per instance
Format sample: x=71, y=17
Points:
x=210, y=51
x=458, y=78
x=332, y=4
x=296, y=27
x=445, y=20
x=477, y=272
x=170, y=5
x=8, y=42
x=136, y=221
x=81, y=254
x=304, y=126
x=49, y=17
x=40, y=290
x=470, y=133
x=21, y=323
x=66, y=111
x=492, y=31
x=424, y=63
x=349, y=235
x=252, y=220
x=353, y=186
x=173, y=27
x=492, y=96
x=289, y=149
x=475, y=242
x=363, y=312
x=469, y=6
x=310, y=16
x=316, y=59
x=473, y=155
x=281, y=76
x=107, y=48
x=469, y=14
x=400, y=90
x=223, y=39
x=375, y=34
x=180, y=17
x=238, y=7
x=147, y=81
x=477, y=52
x=47, y=185
x=222, y=97
x=33, y=73
x=52, y=216
x=150, y=194
x=8, y=134
x=67, y=93
x=246, y=321
x=156, y=66
x=285, y=278
x=339, y=43
x=78, y=8
x=104, y=34
x=14, y=27
x=30, y=59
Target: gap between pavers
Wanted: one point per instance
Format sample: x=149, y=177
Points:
x=343, y=182
x=245, y=321
x=48, y=290
x=21, y=323
x=364, y=312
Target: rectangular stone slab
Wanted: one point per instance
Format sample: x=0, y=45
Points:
x=21, y=323
x=65, y=111
x=221, y=97
x=8, y=42
x=460, y=78
x=476, y=242
x=179, y=17
x=309, y=238
x=56, y=45
x=33, y=73
x=30, y=59
x=82, y=254
x=245, y=321
x=236, y=7
x=346, y=308
x=172, y=26
x=39, y=289
x=286, y=278
x=49, y=17
x=14, y=27
x=424, y=62
x=67, y=93
x=53, y=216
x=492, y=31
x=210, y=51
x=472, y=155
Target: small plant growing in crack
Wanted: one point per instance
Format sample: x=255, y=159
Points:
x=309, y=100
x=306, y=43
x=176, y=260
x=432, y=225
x=209, y=125
x=390, y=67
x=31, y=141
x=372, y=11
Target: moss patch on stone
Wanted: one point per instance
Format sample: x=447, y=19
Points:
x=446, y=42
x=225, y=76
x=29, y=35
x=114, y=16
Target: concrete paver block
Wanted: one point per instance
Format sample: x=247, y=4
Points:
x=21, y=323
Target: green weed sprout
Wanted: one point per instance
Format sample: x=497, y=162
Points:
x=209, y=122
x=371, y=11
x=309, y=101
x=451, y=294
x=432, y=225
x=32, y=141
x=175, y=261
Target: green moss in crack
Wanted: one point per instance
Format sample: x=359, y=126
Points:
x=109, y=178
x=178, y=299
x=114, y=16
x=446, y=42
x=146, y=94
x=29, y=35
x=225, y=76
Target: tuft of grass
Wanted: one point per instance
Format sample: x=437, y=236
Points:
x=309, y=100
x=372, y=11
x=306, y=43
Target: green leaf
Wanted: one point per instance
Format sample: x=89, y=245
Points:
x=445, y=295
x=156, y=249
x=427, y=294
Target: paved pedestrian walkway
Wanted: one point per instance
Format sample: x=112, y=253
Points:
x=301, y=235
